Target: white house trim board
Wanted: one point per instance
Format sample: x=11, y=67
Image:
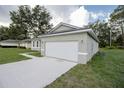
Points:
x=89, y=31
x=42, y=49
x=81, y=53
x=64, y=33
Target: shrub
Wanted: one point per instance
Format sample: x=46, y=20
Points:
x=111, y=47
x=120, y=47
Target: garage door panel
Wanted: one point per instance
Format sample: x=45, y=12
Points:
x=63, y=50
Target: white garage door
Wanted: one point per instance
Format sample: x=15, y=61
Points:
x=63, y=50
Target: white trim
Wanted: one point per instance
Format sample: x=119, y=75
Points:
x=42, y=49
x=71, y=32
x=81, y=53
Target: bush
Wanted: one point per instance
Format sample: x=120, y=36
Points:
x=111, y=47
x=120, y=47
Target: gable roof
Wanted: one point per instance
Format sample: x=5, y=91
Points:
x=36, y=38
x=61, y=24
x=74, y=29
x=10, y=41
x=26, y=40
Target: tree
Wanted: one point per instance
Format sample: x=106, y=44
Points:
x=120, y=40
x=31, y=20
x=4, y=33
x=40, y=20
x=21, y=20
x=15, y=33
x=117, y=21
x=102, y=30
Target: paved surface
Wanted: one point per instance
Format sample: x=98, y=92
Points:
x=33, y=73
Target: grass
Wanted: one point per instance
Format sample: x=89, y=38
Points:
x=8, y=55
x=36, y=53
x=105, y=70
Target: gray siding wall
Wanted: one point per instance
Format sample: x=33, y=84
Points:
x=25, y=44
x=92, y=47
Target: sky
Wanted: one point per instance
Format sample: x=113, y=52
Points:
x=77, y=15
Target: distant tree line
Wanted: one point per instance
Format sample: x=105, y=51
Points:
x=26, y=20
x=111, y=33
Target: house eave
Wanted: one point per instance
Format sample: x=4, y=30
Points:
x=89, y=31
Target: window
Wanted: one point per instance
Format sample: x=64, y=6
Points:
x=37, y=43
x=33, y=43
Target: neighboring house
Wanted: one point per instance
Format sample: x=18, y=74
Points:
x=36, y=44
x=9, y=43
x=16, y=43
x=26, y=43
x=68, y=42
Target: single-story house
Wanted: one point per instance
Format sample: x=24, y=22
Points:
x=9, y=43
x=69, y=42
x=26, y=43
x=36, y=44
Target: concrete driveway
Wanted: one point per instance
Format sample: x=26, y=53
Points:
x=33, y=73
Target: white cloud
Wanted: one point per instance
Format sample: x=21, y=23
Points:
x=4, y=24
x=96, y=15
x=74, y=15
x=56, y=19
x=107, y=17
x=100, y=15
x=60, y=13
x=80, y=17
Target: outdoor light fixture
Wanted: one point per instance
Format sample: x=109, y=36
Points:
x=82, y=41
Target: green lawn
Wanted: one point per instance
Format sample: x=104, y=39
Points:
x=35, y=53
x=106, y=69
x=8, y=55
